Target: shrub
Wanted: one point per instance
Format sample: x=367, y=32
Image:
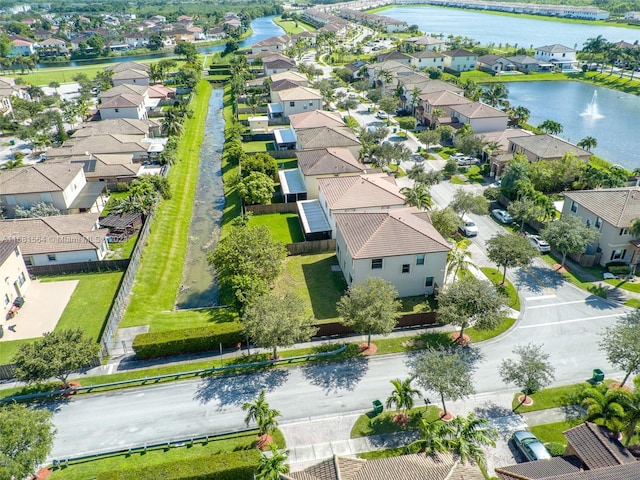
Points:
x=188, y=340
x=238, y=465
x=120, y=187
x=556, y=449
x=619, y=270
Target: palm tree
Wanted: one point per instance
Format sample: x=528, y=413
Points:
x=385, y=77
x=417, y=196
x=458, y=259
x=594, y=46
x=172, y=123
x=435, y=114
x=260, y=412
x=630, y=401
x=464, y=130
x=495, y=95
x=519, y=115
x=470, y=434
x=415, y=99
x=587, y=143
x=603, y=407
x=634, y=231
x=551, y=126
x=402, y=397
x=271, y=468
x=433, y=437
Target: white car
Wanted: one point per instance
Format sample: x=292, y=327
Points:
x=538, y=243
x=468, y=227
x=502, y=216
x=382, y=115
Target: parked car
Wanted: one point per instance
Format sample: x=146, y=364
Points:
x=502, y=216
x=468, y=227
x=382, y=115
x=464, y=161
x=538, y=243
x=530, y=446
x=457, y=156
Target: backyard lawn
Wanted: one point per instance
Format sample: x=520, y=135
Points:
x=285, y=227
x=311, y=278
x=258, y=146
x=87, y=309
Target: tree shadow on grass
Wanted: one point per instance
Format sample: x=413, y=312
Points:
x=325, y=287
x=332, y=376
x=238, y=389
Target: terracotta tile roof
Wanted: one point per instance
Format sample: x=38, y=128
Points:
x=315, y=119
x=117, y=126
x=629, y=471
x=328, y=161
x=478, y=110
x=616, y=206
x=103, y=165
x=444, y=98
x=438, y=86
x=300, y=93
x=295, y=76
x=363, y=191
x=540, y=469
x=548, y=146
x=596, y=446
x=401, y=231
x=323, y=137
x=37, y=179
x=62, y=233
x=124, y=100
x=6, y=249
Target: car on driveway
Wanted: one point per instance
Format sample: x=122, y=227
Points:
x=530, y=446
x=502, y=216
x=382, y=115
x=538, y=243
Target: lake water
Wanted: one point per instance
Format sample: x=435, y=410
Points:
x=611, y=117
x=499, y=29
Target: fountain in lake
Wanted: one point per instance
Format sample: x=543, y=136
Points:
x=592, y=108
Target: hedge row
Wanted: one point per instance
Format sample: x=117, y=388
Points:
x=238, y=465
x=189, y=340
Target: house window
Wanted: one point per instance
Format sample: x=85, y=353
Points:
x=16, y=252
x=428, y=282
x=6, y=299
x=376, y=263
x=21, y=279
x=420, y=259
x=292, y=104
x=574, y=207
x=406, y=268
x=117, y=110
x=598, y=223
x=46, y=197
x=11, y=200
x=624, y=231
x=52, y=257
x=618, y=254
x=588, y=222
x=350, y=279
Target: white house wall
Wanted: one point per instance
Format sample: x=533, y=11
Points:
x=13, y=271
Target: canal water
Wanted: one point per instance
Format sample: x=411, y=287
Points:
x=611, y=117
x=501, y=29
x=198, y=287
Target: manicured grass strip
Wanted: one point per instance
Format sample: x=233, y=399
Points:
x=291, y=27
x=633, y=303
x=284, y=227
x=367, y=424
x=495, y=276
x=550, y=398
x=552, y=432
x=481, y=335
x=87, y=309
x=160, y=272
x=230, y=172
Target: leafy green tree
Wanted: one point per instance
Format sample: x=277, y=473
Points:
x=370, y=307
x=262, y=414
x=524, y=210
x=407, y=123
x=256, y=189
x=468, y=144
x=38, y=209
x=532, y=371
x=388, y=104
x=186, y=50
x=26, y=440
x=391, y=152
x=551, y=126
x=429, y=137
x=260, y=162
x=272, y=467
x=621, y=344
x=417, y=196
x=247, y=261
x=402, y=397
x=445, y=372
x=450, y=167
x=569, y=235
x=55, y=355
x=189, y=77
x=509, y=251
x=273, y=321
x=470, y=301
x=419, y=176
x=445, y=220
x=464, y=202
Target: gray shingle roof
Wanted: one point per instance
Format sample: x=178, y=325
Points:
x=328, y=161
x=37, y=178
x=315, y=119
x=130, y=73
x=478, y=110
x=6, y=249
x=118, y=67
x=402, y=231
x=616, y=206
x=548, y=146
x=323, y=137
x=555, y=48
x=541, y=469
x=363, y=191
x=124, y=100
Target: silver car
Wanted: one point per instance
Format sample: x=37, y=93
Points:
x=538, y=243
x=530, y=446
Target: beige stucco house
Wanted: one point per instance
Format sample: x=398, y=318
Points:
x=124, y=105
x=14, y=278
x=460, y=60
x=480, y=117
x=299, y=100
x=326, y=162
x=545, y=147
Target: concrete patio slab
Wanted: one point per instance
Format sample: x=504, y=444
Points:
x=43, y=307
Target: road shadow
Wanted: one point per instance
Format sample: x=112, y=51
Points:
x=537, y=278
x=332, y=376
x=238, y=389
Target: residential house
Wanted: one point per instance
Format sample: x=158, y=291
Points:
x=119, y=67
x=355, y=68
x=399, y=245
x=611, y=211
x=129, y=88
x=216, y=33
x=78, y=41
x=480, y=117
x=9, y=89
x=52, y=47
x=63, y=186
x=277, y=64
x=592, y=453
x=545, y=147
x=494, y=63
x=460, y=60
x=443, y=100
x=305, y=36
x=395, y=56
x=133, y=76
x=59, y=239
x=124, y=105
x=326, y=162
x=286, y=84
x=377, y=73
x=120, y=126
x=387, y=23
x=14, y=274
x=299, y=99
x=323, y=137
x=526, y=64
x=140, y=147
x=137, y=39
x=315, y=119
x=111, y=168
x=427, y=59
x=21, y=46
x=427, y=42
x=272, y=44
x=562, y=57
x=291, y=75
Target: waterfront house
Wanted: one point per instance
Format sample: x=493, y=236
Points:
x=545, y=147
x=526, y=64
x=132, y=76
x=426, y=42
x=460, y=60
x=480, y=117
x=427, y=59
x=562, y=57
x=494, y=63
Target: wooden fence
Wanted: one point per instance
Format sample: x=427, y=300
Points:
x=272, y=208
x=315, y=246
x=80, y=267
x=405, y=321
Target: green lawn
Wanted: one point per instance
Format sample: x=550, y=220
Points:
x=123, y=249
x=285, y=227
x=368, y=424
x=293, y=26
x=481, y=335
x=114, y=197
x=552, y=432
x=311, y=278
x=287, y=163
x=160, y=272
x=154, y=458
x=495, y=276
x=258, y=146
x=87, y=309
x=549, y=398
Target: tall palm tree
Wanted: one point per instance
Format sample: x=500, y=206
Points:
x=402, y=396
x=417, y=196
x=470, y=434
x=594, y=46
x=271, y=468
x=385, y=77
x=630, y=401
x=634, y=231
x=587, y=143
x=435, y=114
x=458, y=259
x=172, y=123
x=551, y=126
x=603, y=407
x=495, y=95
x=433, y=437
x=260, y=412
x=519, y=115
